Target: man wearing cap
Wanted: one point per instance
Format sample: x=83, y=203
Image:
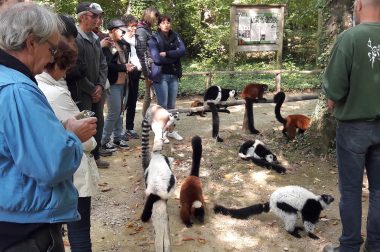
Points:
x=90, y=56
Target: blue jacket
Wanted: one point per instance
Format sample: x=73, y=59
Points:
x=156, y=45
x=38, y=157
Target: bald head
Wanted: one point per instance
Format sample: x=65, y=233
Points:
x=367, y=11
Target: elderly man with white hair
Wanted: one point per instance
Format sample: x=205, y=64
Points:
x=38, y=156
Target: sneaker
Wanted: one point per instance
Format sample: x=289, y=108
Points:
x=104, y=152
x=131, y=134
x=331, y=248
x=121, y=144
x=166, y=139
x=175, y=135
x=108, y=146
x=102, y=164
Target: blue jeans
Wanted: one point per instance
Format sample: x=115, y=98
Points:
x=358, y=147
x=114, y=120
x=79, y=231
x=166, y=91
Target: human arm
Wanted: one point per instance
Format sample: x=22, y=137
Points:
x=39, y=144
x=179, y=51
x=155, y=54
x=111, y=60
x=142, y=36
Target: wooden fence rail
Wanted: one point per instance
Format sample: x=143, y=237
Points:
x=276, y=73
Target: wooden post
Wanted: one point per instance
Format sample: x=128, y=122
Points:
x=233, y=44
x=208, y=80
x=279, y=49
x=278, y=82
x=160, y=221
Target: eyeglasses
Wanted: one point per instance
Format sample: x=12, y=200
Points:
x=53, y=49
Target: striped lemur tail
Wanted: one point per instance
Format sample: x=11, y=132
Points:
x=242, y=213
x=279, y=99
x=145, y=155
x=250, y=117
x=196, y=143
x=215, y=121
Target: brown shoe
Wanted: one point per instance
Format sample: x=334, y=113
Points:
x=102, y=164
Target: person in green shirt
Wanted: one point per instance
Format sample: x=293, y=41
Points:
x=352, y=86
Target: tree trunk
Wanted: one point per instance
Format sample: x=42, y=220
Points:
x=322, y=131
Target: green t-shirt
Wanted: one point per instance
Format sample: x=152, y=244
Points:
x=352, y=77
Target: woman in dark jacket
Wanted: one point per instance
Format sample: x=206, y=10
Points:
x=166, y=49
x=143, y=34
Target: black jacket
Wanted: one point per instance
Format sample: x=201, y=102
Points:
x=113, y=67
x=143, y=34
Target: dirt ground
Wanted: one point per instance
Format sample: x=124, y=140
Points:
x=226, y=179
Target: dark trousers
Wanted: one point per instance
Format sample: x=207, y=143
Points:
x=133, y=93
x=79, y=231
x=45, y=239
x=358, y=148
x=97, y=108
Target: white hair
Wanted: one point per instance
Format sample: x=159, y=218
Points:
x=20, y=20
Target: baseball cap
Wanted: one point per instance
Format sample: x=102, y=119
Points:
x=87, y=6
x=115, y=23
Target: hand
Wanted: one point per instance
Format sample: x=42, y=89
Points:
x=97, y=94
x=106, y=42
x=84, y=129
x=163, y=54
x=130, y=67
x=330, y=104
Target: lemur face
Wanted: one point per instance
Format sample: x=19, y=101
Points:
x=233, y=94
x=174, y=116
x=271, y=158
x=326, y=200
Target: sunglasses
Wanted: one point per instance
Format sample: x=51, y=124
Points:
x=122, y=32
x=53, y=49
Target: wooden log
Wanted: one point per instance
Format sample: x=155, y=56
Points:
x=160, y=221
x=206, y=108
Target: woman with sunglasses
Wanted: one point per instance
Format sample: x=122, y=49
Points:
x=116, y=54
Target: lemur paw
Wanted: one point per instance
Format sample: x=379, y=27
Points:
x=219, y=140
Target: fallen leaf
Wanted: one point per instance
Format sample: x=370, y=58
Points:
x=106, y=189
x=202, y=241
x=187, y=239
x=103, y=184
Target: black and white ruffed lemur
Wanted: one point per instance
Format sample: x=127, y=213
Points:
x=212, y=97
x=287, y=202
